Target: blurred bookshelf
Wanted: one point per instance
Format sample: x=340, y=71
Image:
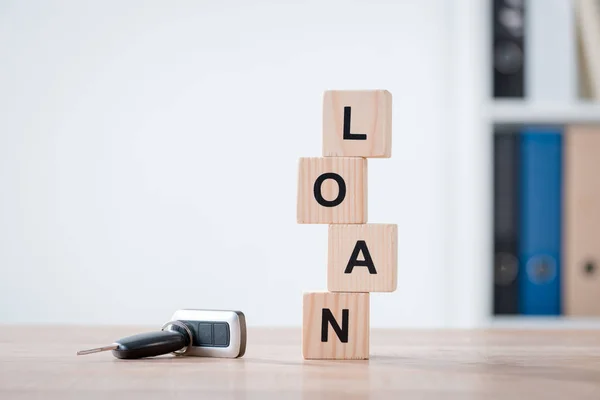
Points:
x=545, y=99
x=527, y=112
x=557, y=85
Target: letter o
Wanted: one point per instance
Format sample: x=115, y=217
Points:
x=341, y=194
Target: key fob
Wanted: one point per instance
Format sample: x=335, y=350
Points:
x=215, y=333
x=150, y=344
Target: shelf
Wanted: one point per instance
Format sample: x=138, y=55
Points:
x=514, y=111
x=533, y=322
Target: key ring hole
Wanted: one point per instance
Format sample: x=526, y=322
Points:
x=180, y=324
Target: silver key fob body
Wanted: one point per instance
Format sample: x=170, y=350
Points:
x=215, y=333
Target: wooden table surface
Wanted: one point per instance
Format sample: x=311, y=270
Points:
x=40, y=363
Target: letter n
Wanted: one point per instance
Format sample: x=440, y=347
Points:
x=328, y=318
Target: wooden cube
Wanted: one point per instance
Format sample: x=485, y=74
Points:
x=357, y=123
x=332, y=190
x=335, y=326
x=362, y=258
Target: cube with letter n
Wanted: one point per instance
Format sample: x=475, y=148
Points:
x=335, y=326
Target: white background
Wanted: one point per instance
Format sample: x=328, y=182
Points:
x=148, y=155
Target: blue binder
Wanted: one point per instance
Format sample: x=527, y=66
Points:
x=540, y=221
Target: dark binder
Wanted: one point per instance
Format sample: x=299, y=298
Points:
x=508, y=50
x=506, y=218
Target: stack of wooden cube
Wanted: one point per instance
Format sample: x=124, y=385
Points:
x=362, y=258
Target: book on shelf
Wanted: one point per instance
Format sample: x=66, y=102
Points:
x=588, y=35
x=540, y=208
x=506, y=219
x=581, y=278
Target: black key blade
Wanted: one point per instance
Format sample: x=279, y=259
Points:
x=150, y=344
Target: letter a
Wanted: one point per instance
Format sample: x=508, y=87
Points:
x=361, y=245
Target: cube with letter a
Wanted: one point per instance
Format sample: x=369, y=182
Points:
x=362, y=258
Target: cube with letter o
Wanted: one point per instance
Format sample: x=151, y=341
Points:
x=332, y=190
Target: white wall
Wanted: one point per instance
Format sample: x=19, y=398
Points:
x=148, y=154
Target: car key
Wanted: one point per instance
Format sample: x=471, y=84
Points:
x=147, y=344
x=205, y=333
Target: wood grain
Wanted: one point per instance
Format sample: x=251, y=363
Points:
x=381, y=241
x=353, y=209
x=357, y=346
x=371, y=114
x=39, y=362
x=581, y=282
